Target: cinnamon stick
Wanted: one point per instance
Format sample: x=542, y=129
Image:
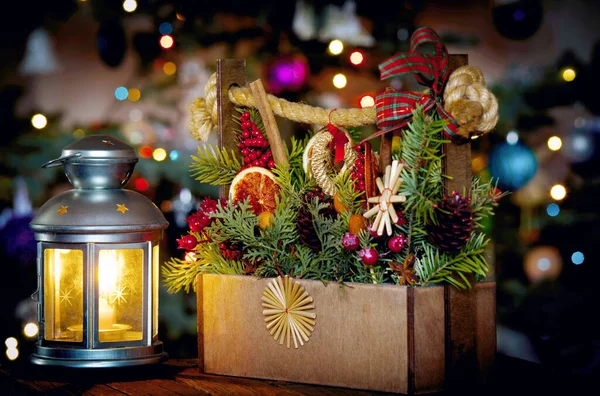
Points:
x=273, y=136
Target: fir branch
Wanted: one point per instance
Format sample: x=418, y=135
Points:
x=181, y=274
x=422, y=172
x=436, y=267
x=484, y=198
x=214, y=167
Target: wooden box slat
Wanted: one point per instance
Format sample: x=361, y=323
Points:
x=376, y=337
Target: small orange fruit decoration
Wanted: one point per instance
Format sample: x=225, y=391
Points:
x=338, y=205
x=357, y=223
x=265, y=220
x=259, y=186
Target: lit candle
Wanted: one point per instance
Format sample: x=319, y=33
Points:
x=106, y=313
x=107, y=285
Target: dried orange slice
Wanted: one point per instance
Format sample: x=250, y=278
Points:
x=259, y=186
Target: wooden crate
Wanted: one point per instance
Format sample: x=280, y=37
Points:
x=377, y=337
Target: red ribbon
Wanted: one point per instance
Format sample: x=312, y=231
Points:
x=394, y=109
x=339, y=140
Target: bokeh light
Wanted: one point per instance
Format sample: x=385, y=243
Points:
x=78, y=133
x=30, y=329
x=129, y=5
x=121, y=93
x=554, y=143
x=402, y=34
x=558, y=192
x=336, y=47
x=146, y=152
x=367, y=101
x=12, y=353
x=134, y=94
x=169, y=68
x=577, y=258
x=136, y=115
x=356, y=58
x=569, y=74
x=39, y=121
x=339, y=81
x=141, y=184
x=512, y=137
x=166, y=41
x=174, y=155
x=553, y=210
x=11, y=342
x=180, y=16
x=165, y=28
x=166, y=206
x=159, y=154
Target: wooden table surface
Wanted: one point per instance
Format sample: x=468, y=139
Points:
x=181, y=377
x=175, y=377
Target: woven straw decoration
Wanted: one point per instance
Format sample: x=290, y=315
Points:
x=286, y=304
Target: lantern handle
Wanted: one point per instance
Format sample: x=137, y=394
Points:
x=60, y=160
x=35, y=295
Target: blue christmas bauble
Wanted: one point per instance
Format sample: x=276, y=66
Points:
x=514, y=165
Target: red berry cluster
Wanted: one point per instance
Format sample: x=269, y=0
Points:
x=200, y=220
x=358, y=171
x=254, y=146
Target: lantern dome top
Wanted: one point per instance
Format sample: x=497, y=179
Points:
x=97, y=162
x=80, y=211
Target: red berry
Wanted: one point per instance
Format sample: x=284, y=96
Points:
x=245, y=152
x=246, y=114
x=397, y=243
x=264, y=158
x=256, y=163
x=187, y=242
x=241, y=145
x=401, y=219
x=350, y=241
x=245, y=134
x=271, y=164
x=368, y=256
x=247, y=159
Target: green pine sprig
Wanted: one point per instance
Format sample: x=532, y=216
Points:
x=214, y=166
x=435, y=267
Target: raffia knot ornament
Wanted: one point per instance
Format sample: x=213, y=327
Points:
x=470, y=102
x=286, y=306
x=317, y=160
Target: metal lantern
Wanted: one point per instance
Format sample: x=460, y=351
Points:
x=97, y=263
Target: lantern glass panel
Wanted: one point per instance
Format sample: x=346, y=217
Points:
x=120, y=294
x=63, y=295
x=155, y=281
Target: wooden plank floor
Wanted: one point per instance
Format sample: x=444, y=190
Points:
x=175, y=377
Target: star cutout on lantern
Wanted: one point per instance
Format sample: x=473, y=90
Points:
x=121, y=208
x=119, y=295
x=65, y=297
x=385, y=202
x=62, y=210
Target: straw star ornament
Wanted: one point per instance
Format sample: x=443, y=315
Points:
x=388, y=187
x=286, y=304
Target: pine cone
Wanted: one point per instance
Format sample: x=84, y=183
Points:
x=304, y=221
x=455, y=223
x=231, y=250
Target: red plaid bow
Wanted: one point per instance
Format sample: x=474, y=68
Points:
x=394, y=109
